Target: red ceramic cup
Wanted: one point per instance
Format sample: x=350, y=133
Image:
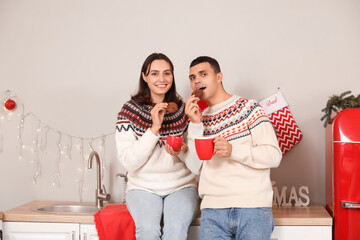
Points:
x=174, y=141
x=205, y=147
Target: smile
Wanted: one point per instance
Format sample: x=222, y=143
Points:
x=161, y=85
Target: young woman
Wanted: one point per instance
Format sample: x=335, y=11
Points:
x=161, y=190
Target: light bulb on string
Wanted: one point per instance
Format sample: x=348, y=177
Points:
x=91, y=146
x=43, y=140
x=21, y=128
x=57, y=174
x=69, y=147
x=103, y=160
x=36, y=152
x=81, y=179
x=35, y=176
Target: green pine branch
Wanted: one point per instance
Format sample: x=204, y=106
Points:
x=338, y=103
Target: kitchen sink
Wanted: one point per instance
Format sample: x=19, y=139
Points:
x=67, y=209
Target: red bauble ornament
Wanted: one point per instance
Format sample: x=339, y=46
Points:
x=10, y=104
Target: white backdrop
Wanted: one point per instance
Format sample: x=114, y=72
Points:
x=73, y=63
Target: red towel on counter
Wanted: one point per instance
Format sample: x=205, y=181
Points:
x=114, y=222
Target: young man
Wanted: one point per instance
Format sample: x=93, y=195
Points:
x=235, y=184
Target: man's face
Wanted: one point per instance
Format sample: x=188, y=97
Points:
x=202, y=76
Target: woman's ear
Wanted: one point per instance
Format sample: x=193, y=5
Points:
x=144, y=77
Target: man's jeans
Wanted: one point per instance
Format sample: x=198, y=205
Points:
x=178, y=210
x=236, y=223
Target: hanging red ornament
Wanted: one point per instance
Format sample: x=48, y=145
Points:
x=10, y=104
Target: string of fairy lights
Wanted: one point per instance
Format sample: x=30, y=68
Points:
x=13, y=107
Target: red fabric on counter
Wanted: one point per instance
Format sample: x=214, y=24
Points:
x=114, y=222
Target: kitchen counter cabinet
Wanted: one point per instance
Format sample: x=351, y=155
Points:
x=45, y=231
x=313, y=215
x=297, y=223
x=291, y=223
x=40, y=231
x=88, y=232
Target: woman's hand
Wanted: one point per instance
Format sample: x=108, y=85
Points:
x=192, y=109
x=157, y=116
x=171, y=151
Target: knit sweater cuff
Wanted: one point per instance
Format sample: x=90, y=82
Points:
x=195, y=130
x=149, y=139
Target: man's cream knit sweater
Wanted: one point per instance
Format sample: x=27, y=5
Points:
x=243, y=179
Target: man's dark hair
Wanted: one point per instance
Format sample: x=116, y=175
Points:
x=214, y=64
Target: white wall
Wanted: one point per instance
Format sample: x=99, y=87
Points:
x=73, y=63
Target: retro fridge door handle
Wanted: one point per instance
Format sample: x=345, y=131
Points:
x=346, y=204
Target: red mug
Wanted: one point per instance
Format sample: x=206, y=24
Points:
x=204, y=147
x=174, y=141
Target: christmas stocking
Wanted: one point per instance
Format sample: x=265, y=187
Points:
x=287, y=131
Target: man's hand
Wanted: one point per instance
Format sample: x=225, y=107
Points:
x=192, y=109
x=222, y=147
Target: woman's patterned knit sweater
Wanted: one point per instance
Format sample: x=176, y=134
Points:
x=141, y=152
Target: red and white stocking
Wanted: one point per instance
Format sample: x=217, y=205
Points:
x=287, y=131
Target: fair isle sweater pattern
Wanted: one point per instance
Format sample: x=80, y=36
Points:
x=235, y=121
x=137, y=118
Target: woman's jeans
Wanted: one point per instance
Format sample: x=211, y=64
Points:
x=176, y=210
x=236, y=223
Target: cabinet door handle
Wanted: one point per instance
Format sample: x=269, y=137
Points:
x=73, y=235
x=84, y=236
x=346, y=204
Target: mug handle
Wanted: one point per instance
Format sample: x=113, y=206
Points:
x=162, y=141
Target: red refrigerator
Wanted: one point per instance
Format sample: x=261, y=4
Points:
x=343, y=174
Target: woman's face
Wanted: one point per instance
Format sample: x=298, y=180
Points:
x=159, y=80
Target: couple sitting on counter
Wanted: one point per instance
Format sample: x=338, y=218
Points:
x=234, y=186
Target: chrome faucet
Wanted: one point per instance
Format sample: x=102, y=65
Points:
x=100, y=194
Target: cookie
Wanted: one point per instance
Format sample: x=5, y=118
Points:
x=172, y=107
x=197, y=92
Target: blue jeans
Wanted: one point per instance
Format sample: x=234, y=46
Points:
x=177, y=210
x=236, y=223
